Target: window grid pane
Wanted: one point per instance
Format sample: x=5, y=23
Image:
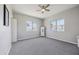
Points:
x=60, y=25
x=34, y=26
x=29, y=26
x=53, y=25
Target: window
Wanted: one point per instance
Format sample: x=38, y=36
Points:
x=31, y=26
x=60, y=25
x=53, y=25
x=34, y=26
x=57, y=25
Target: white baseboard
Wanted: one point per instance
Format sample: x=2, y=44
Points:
x=9, y=50
x=64, y=41
x=28, y=38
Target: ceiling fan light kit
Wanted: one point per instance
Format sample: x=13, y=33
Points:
x=44, y=7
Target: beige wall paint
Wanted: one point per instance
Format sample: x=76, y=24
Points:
x=21, y=26
x=5, y=32
x=71, y=18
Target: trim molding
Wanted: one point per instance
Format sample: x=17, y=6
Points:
x=9, y=50
x=26, y=39
x=63, y=41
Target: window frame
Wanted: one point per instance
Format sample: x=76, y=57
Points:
x=32, y=27
x=56, y=30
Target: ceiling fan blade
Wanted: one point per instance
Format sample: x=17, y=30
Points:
x=46, y=6
x=47, y=9
x=40, y=6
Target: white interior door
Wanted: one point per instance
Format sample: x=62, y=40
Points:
x=42, y=31
x=14, y=30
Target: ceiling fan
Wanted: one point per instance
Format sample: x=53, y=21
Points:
x=44, y=7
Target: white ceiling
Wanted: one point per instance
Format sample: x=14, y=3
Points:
x=30, y=9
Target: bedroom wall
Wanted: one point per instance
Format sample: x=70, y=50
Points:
x=5, y=32
x=21, y=26
x=71, y=19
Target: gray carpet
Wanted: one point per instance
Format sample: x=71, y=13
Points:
x=43, y=46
